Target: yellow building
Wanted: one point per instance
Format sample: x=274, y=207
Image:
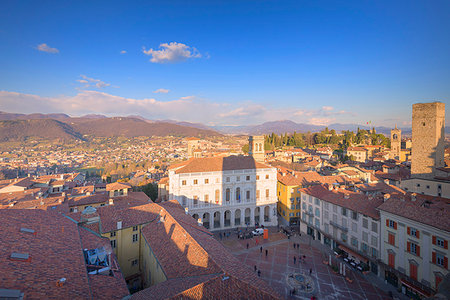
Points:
x=288, y=186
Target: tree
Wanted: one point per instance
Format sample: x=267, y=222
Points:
x=150, y=190
x=245, y=148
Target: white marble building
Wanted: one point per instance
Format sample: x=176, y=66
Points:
x=226, y=192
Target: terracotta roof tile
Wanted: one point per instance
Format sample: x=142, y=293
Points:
x=430, y=210
x=355, y=201
x=211, y=164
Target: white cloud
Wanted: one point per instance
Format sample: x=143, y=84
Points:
x=123, y=52
x=321, y=121
x=172, y=52
x=91, y=82
x=244, y=111
x=162, y=91
x=188, y=108
x=327, y=108
x=46, y=48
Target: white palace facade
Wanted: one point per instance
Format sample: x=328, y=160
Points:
x=226, y=192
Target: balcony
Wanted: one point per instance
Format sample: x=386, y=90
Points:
x=309, y=213
x=334, y=224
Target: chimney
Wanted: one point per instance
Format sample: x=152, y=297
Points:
x=413, y=197
x=61, y=176
x=346, y=196
x=330, y=187
x=386, y=197
x=186, y=210
x=63, y=194
x=111, y=201
x=200, y=222
x=75, y=209
x=119, y=225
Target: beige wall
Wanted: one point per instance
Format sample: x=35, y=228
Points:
x=126, y=250
x=427, y=187
x=152, y=272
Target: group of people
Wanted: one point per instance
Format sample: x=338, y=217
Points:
x=258, y=271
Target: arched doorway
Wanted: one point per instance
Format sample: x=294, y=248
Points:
x=237, y=217
x=206, y=220
x=257, y=213
x=216, y=220
x=227, y=218
x=267, y=214
x=195, y=216
x=247, y=216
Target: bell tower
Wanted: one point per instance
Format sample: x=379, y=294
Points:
x=396, y=142
x=256, y=147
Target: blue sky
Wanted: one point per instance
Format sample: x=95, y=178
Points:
x=226, y=62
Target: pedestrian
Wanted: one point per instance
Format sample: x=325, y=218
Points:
x=260, y=249
x=247, y=245
x=295, y=259
x=259, y=273
x=310, y=271
x=255, y=268
x=267, y=251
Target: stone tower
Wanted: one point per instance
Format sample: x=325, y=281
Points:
x=428, y=123
x=396, y=143
x=192, y=145
x=256, y=147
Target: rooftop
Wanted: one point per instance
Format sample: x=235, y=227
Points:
x=55, y=251
x=211, y=164
x=430, y=210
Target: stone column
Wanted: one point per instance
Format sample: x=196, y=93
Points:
x=252, y=216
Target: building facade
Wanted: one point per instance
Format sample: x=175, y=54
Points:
x=414, y=247
x=345, y=221
x=226, y=192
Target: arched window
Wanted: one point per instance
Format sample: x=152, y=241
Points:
x=227, y=195
x=217, y=196
x=238, y=194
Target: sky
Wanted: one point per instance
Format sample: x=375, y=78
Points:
x=226, y=62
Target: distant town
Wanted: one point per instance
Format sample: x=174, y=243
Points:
x=357, y=215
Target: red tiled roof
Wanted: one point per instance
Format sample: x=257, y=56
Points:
x=211, y=164
x=436, y=213
x=55, y=252
x=117, y=186
x=186, y=250
x=356, y=202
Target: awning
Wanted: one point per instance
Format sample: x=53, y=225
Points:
x=353, y=253
x=415, y=288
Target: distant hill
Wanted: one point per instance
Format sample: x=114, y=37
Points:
x=20, y=130
x=13, y=116
x=19, y=127
x=188, y=124
x=132, y=127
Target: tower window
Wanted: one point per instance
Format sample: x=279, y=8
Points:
x=423, y=123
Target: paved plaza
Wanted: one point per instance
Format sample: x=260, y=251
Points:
x=278, y=265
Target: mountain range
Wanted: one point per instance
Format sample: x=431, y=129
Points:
x=134, y=125
x=20, y=127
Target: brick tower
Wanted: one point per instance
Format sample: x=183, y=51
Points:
x=428, y=123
